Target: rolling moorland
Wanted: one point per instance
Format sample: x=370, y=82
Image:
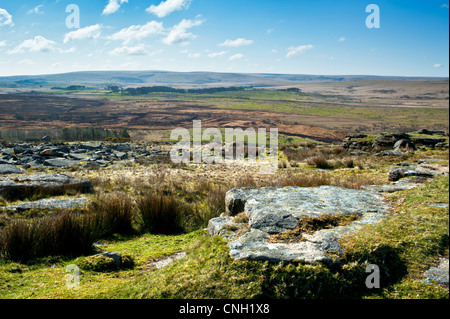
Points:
x=151, y=218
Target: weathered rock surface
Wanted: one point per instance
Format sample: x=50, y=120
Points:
x=277, y=210
x=438, y=275
x=6, y=169
x=51, y=203
x=23, y=186
x=94, y=154
x=395, y=144
x=423, y=169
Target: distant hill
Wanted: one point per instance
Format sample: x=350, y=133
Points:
x=192, y=79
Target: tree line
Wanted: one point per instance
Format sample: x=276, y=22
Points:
x=167, y=89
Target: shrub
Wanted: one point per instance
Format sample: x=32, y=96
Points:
x=69, y=233
x=161, y=214
x=319, y=162
x=115, y=213
x=216, y=201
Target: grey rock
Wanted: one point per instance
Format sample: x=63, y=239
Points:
x=389, y=153
x=235, y=201
x=391, y=188
x=6, y=169
x=438, y=275
x=216, y=225
x=23, y=186
x=430, y=132
x=387, y=141
x=397, y=173
x=168, y=260
x=79, y=157
x=433, y=161
x=121, y=155
x=430, y=142
x=60, y=162
x=52, y=204
x=276, y=210
x=7, y=151
x=255, y=245
x=439, y=205
x=404, y=145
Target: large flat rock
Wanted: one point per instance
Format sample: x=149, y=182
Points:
x=49, y=203
x=6, y=169
x=275, y=211
x=23, y=186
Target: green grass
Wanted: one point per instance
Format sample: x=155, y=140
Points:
x=404, y=246
x=416, y=235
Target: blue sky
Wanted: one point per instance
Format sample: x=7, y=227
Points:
x=249, y=36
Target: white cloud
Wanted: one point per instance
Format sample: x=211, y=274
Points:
x=25, y=62
x=36, y=10
x=2, y=44
x=167, y=7
x=445, y=6
x=179, y=34
x=90, y=32
x=56, y=65
x=113, y=6
x=216, y=54
x=236, y=43
x=236, y=57
x=437, y=65
x=38, y=44
x=5, y=18
x=194, y=55
x=138, y=32
x=342, y=39
x=126, y=50
x=294, y=51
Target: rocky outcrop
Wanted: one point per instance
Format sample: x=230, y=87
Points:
x=94, y=154
x=274, y=211
x=424, y=169
x=394, y=144
x=24, y=186
x=387, y=141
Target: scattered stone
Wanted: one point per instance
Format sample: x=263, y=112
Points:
x=24, y=186
x=52, y=204
x=428, y=132
x=216, y=225
x=426, y=141
x=438, y=275
x=439, y=205
x=389, y=153
x=60, y=162
x=404, y=145
x=114, y=256
x=392, y=188
x=6, y=169
x=387, y=141
x=396, y=174
x=168, y=260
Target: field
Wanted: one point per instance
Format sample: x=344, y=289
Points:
x=323, y=112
